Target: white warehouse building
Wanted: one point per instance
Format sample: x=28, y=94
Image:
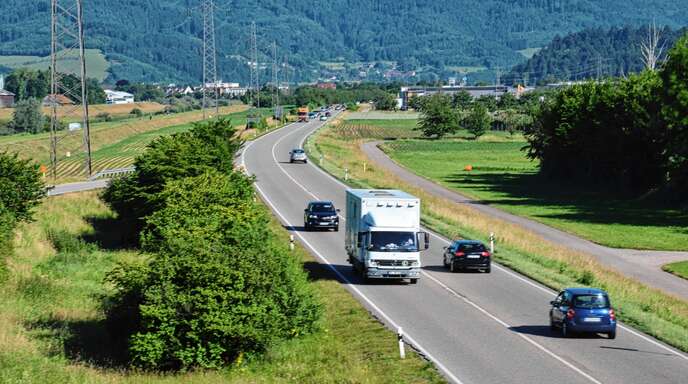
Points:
x=116, y=97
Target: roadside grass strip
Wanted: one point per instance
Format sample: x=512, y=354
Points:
x=649, y=310
x=52, y=327
x=679, y=269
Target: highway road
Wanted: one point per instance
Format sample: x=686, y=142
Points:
x=475, y=327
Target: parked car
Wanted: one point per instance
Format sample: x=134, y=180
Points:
x=467, y=254
x=298, y=155
x=323, y=118
x=583, y=310
x=321, y=214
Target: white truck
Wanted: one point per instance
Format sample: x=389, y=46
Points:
x=383, y=236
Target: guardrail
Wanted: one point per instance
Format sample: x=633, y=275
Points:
x=112, y=173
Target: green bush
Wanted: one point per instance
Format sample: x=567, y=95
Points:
x=210, y=145
x=136, y=112
x=21, y=188
x=7, y=223
x=104, y=116
x=218, y=285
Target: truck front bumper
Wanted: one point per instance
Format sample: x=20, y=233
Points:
x=379, y=273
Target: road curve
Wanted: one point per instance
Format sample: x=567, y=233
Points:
x=645, y=266
x=64, y=189
x=476, y=328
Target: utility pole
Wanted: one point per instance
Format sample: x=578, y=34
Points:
x=66, y=43
x=209, y=57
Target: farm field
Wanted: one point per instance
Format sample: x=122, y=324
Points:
x=37, y=147
x=502, y=176
x=123, y=153
x=96, y=63
x=52, y=326
x=121, y=110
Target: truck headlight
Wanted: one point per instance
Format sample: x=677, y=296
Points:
x=372, y=262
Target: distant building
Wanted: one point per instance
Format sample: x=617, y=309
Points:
x=327, y=85
x=497, y=91
x=6, y=99
x=116, y=97
x=60, y=100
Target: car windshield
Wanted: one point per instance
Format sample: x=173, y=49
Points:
x=297, y=151
x=597, y=301
x=472, y=247
x=322, y=208
x=393, y=242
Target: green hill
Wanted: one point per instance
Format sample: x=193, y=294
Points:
x=159, y=40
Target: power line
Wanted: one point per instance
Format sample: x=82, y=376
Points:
x=255, y=66
x=66, y=42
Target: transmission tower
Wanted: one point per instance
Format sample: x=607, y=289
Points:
x=210, y=84
x=66, y=45
x=275, y=78
x=255, y=66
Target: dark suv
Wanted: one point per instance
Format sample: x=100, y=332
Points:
x=467, y=254
x=321, y=214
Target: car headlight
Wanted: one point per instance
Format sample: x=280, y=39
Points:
x=312, y=216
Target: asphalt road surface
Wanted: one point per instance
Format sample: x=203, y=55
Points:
x=475, y=327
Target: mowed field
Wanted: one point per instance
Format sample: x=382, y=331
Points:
x=53, y=329
x=96, y=63
x=104, y=135
x=73, y=113
x=502, y=176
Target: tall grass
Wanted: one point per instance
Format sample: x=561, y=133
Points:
x=52, y=328
x=650, y=310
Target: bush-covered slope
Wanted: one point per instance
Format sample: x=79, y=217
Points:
x=159, y=39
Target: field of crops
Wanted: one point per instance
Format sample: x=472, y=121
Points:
x=122, y=153
x=72, y=114
x=377, y=129
x=382, y=115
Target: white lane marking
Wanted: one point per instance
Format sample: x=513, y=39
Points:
x=372, y=305
x=533, y=284
x=442, y=285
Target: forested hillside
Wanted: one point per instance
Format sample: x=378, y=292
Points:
x=590, y=53
x=158, y=40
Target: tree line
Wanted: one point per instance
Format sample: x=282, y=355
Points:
x=218, y=284
x=631, y=133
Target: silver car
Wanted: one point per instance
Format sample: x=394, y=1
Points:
x=298, y=155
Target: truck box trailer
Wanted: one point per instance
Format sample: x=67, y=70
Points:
x=383, y=237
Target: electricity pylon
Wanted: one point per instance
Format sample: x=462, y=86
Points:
x=255, y=66
x=66, y=43
x=210, y=84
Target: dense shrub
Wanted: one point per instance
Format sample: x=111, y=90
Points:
x=21, y=190
x=675, y=108
x=218, y=285
x=605, y=132
x=208, y=146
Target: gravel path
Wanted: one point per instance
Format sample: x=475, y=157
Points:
x=644, y=266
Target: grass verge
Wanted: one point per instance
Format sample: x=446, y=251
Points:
x=679, y=269
x=52, y=329
x=649, y=310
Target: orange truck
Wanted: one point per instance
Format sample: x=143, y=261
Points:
x=303, y=114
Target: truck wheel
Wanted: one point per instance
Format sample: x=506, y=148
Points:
x=305, y=161
x=444, y=261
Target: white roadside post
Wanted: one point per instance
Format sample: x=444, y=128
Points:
x=346, y=174
x=492, y=241
x=291, y=242
x=364, y=167
x=400, y=337
x=321, y=158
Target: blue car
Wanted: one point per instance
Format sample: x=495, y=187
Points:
x=584, y=310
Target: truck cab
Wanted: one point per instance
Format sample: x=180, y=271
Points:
x=383, y=236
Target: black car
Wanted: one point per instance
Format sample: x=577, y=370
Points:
x=321, y=214
x=467, y=254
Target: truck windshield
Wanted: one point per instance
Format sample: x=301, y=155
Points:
x=393, y=242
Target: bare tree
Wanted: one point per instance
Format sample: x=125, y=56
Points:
x=650, y=47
